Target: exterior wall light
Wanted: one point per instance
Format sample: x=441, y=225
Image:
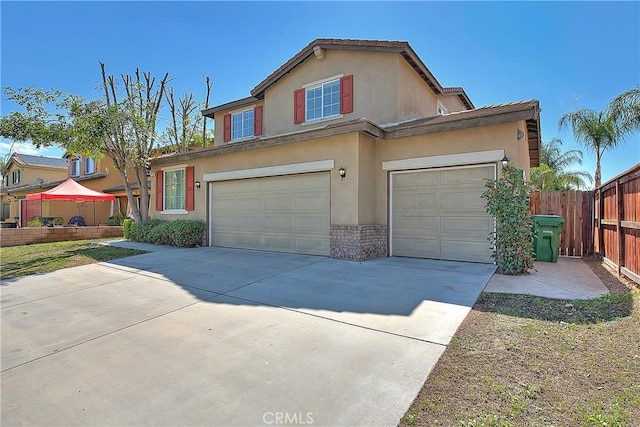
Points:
x=342, y=172
x=198, y=184
x=505, y=161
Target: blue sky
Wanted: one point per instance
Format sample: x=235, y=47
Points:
x=567, y=55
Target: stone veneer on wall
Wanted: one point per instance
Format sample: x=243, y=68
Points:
x=358, y=242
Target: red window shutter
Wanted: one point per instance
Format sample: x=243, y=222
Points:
x=257, y=120
x=190, y=196
x=227, y=128
x=159, y=191
x=298, y=106
x=346, y=94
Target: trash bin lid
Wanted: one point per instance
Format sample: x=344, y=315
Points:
x=549, y=220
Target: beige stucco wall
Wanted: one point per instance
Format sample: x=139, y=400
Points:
x=386, y=90
x=362, y=197
x=415, y=99
x=343, y=149
x=30, y=174
x=452, y=103
x=494, y=137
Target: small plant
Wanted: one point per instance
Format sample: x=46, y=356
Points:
x=127, y=227
x=508, y=202
x=35, y=222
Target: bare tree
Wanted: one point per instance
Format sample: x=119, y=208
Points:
x=131, y=136
x=186, y=119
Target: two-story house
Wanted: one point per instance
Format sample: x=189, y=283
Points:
x=352, y=149
x=25, y=174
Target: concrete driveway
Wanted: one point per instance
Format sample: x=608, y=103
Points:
x=215, y=336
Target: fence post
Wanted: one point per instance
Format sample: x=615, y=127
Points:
x=619, y=213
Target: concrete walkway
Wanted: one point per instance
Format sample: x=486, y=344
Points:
x=214, y=336
x=569, y=278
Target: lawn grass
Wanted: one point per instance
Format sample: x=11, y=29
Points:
x=521, y=360
x=19, y=261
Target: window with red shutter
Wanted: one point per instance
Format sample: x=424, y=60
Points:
x=298, y=106
x=346, y=94
x=257, y=120
x=190, y=183
x=227, y=128
x=159, y=191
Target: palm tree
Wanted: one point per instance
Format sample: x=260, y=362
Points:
x=599, y=131
x=627, y=107
x=553, y=173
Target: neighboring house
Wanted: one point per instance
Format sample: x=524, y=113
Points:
x=24, y=174
x=102, y=175
x=352, y=149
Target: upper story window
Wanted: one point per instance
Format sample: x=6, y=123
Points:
x=242, y=125
x=15, y=176
x=75, y=167
x=442, y=110
x=89, y=166
x=323, y=100
x=5, y=180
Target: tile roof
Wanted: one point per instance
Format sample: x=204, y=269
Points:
x=30, y=160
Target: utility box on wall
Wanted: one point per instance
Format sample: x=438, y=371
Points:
x=546, y=237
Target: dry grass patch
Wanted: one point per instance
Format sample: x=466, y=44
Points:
x=521, y=360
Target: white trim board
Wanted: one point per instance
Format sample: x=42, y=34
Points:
x=475, y=157
x=290, y=169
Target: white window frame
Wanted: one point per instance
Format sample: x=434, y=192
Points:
x=14, y=174
x=314, y=85
x=441, y=110
x=89, y=161
x=253, y=124
x=75, y=161
x=182, y=211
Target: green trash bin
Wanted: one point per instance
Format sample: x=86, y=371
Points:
x=546, y=237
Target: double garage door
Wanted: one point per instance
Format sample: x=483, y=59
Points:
x=282, y=213
x=439, y=213
x=434, y=213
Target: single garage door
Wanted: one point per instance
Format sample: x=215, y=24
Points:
x=282, y=213
x=438, y=213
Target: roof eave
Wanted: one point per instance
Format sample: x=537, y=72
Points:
x=210, y=112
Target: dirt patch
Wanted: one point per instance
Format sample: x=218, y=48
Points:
x=615, y=284
x=522, y=360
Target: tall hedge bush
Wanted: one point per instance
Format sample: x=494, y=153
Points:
x=512, y=240
x=183, y=233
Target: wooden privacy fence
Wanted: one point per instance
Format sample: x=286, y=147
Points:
x=617, y=222
x=576, y=207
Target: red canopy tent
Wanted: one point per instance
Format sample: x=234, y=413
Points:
x=72, y=191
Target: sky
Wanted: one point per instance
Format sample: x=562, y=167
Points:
x=567, y=55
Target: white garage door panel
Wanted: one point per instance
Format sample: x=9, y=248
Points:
x=439, y=213
x=284, y=213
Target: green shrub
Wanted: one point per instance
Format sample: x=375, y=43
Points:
x=187, y=233
x=35, y=222
x=140, y=233
x=183, y=233
x=58, y=220
x=127, y=226
x=508, y=202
